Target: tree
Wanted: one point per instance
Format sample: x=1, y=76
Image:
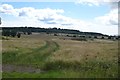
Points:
x=102, y=37
x=13, y=33
x=95, y=37
x=74, y=36
x=18, y=35
x=90, y=36
x=6, y=32
x=29, y=32
x=110, y=37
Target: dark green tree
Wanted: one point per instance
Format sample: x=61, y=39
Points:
x=13, y=33
x=6, y=32
x=102, y=37
x=18, y=35
x=95, y=37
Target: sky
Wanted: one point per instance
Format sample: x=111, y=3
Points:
x=85, y=15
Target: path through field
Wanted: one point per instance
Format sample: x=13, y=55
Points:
x=28, y=62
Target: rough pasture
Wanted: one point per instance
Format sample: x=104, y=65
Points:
x=59, y=58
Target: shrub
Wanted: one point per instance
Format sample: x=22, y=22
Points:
x=18, y=35
x=102, y=37
x=55, y=35
x=79, y=39
x=95, y=37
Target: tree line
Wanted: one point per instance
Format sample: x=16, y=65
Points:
x=17, y=31
x=14, y=31
x=28, y=30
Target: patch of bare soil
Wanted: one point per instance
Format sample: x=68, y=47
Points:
x=21, y=69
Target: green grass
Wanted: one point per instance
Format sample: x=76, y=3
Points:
x=67, y=73
x=90, y=68
x=34, y=58
x=50, y=74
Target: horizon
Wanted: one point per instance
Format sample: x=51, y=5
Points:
x=58, y=28
x=67, y=15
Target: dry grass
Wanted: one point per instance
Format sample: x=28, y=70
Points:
x=70, y=50
x=26, y=42
x=86, y=50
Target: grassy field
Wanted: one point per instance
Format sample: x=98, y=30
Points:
x=52, y=57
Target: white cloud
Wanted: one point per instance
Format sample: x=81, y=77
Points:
x=95, y=2
x=29, y=16
x=5, y=8
x=47, y=15
x=109, y=19
x=89, y=2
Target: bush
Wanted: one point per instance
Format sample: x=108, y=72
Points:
x=18, y=35
x=74, y=36
x=79, y=39
x=95, y=37
x=55, y=35
x=90, y=36
x=102, y=37
x=5, y=38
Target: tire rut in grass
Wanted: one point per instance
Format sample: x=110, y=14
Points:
x=35, y=58
x=40, y=54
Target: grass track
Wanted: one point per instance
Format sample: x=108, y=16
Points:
x=35, y=58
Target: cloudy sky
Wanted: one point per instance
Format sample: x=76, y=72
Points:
x=84, y=15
